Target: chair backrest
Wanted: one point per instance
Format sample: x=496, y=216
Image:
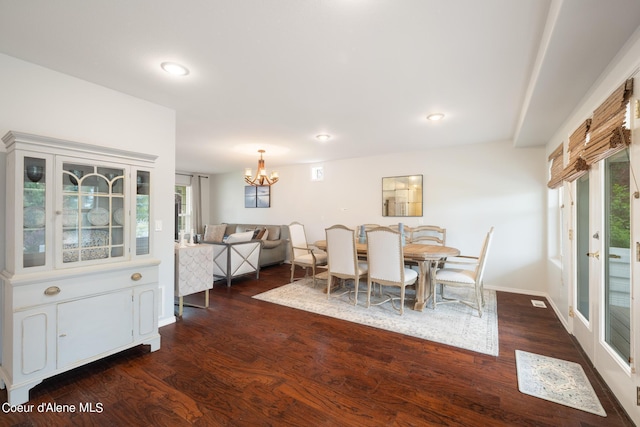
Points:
x=405, y=228
x=384, y=255
x=297, y=239
x=341, y=250
x=366, y=228
x=429, y=235
x=482, y=261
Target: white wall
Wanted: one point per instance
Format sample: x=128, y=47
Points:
x=466, y=189
x=43, y=102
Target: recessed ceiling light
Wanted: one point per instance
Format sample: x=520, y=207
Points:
x=323, y=137
x=175, y=69
x=435, y=117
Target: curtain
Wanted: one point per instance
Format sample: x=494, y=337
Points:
x=196, y=200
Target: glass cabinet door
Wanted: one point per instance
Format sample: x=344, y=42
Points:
x=143, y=215
x=93, y=212
x=34, y=196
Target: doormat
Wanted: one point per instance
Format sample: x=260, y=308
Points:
x=558, y=381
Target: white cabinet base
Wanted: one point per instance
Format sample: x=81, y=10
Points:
x=103, y=311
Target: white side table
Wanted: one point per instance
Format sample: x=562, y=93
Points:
x=193, y=272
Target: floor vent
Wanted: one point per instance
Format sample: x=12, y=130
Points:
x=538, y=303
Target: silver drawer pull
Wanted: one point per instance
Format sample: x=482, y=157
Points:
x=136, y=276
x=52, y=290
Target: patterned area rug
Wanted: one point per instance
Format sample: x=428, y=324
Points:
x=452, y=324
x=558, y=381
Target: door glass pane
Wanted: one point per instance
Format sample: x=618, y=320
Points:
x=582, y=242
x=143, y=218
x=34, y=213
x=617, y=296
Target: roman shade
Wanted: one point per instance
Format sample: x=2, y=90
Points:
x=609, y=131
x=576, y=165
x=556, y=167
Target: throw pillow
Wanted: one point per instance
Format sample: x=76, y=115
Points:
x=240, y=237
x=214, y=233
x=260, y=233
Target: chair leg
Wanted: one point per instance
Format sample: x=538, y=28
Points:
x=368, y=293
x=402, y=300
x=356, y=284
x=479, y=299
x=293, y=266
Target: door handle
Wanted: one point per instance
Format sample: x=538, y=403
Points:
x=595, y=255
x=614, y=256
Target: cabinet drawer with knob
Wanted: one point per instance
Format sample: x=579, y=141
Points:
x=60, y=289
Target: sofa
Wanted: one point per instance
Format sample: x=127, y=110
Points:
x=274, y=239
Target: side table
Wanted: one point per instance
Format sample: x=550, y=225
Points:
x=193, y=273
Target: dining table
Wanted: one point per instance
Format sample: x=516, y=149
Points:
x=425, y=256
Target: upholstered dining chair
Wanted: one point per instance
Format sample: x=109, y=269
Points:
x=301, y=254
x=385, y=259
x=470, y=276
x=342, y=258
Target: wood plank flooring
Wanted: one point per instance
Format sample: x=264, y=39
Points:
x=245, y=362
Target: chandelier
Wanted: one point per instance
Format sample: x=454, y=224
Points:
x=261, y=177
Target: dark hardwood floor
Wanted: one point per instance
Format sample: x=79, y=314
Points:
x=245, y=362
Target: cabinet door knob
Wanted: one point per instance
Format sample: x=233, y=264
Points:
x=136, y=276
x=52, y=290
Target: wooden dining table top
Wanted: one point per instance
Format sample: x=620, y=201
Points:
x=412, y=251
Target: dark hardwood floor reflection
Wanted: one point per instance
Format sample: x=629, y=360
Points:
x=245, y=362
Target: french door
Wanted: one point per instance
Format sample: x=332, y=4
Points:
x=607, y=236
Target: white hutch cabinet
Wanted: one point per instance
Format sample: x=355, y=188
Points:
x=80, y=282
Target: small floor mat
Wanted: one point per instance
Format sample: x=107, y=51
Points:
x=558, y=381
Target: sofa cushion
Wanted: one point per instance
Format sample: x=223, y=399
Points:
x=214, y=233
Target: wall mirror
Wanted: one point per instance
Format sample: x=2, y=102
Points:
x=402, y=195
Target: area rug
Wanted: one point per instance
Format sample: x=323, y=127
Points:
x=452, y=324
x=558, y=381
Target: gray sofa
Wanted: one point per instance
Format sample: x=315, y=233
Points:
x=274, y=246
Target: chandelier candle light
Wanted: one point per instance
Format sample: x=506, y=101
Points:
x=261, y=177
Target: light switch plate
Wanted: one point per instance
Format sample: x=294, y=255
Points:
x=158, y=225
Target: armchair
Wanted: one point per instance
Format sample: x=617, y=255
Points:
x=470, y=276
x=301, y=254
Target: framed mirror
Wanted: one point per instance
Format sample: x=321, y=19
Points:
x=402, y=195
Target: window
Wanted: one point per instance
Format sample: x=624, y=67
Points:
x=182, y=209
x=317, y=173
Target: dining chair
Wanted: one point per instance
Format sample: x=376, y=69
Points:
x=342, y=258
x=405, y=229
x=301, y=254
x=429, y=235
x=470, y=277
x=385, y=259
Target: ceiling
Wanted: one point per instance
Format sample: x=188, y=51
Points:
x=273, y=74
